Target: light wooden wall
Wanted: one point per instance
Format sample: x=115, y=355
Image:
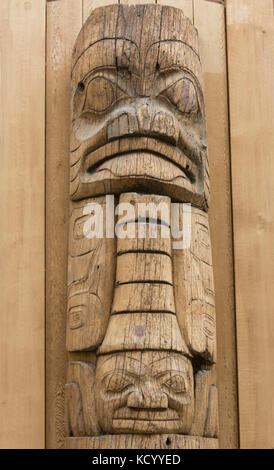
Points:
x=34, y=189
x=22, y=223
x=250, y=62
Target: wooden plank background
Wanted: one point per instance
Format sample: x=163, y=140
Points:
x=250, y=60
x=209, y=18
x=64, y=20
x=22, y=220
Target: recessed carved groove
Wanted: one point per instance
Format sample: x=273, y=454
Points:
x=153, y=252
x=149, y=281
x=140, y=351
x=145, y=220
x=126, y=312
x=96, y=167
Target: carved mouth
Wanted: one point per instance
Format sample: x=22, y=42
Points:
x=147, y=425
x=151, y=415
x=156, y=420
x=94, y=161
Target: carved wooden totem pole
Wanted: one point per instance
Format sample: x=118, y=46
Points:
x=145, y=308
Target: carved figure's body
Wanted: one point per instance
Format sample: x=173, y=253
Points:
x=138, y=132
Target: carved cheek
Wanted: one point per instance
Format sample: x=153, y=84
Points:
x=180, y=400
x=109, y=398
x=183, y=403
x=106, y=405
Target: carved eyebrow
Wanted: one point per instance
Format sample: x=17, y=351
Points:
x=161, y=359
x=168, y=373
x=124, y=372
x=104, y=39
x=171, y=41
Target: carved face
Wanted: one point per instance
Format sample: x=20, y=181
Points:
x=137, y=105
x=144, y=392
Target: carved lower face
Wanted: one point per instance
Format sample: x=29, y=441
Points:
x=144, y=392
x=138, y=118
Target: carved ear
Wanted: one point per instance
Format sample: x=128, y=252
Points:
x=206, y=405
x=194, y=288
x=79, y=400
x=91, y=273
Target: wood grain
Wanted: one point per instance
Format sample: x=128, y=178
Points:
x=210, y=21
x=91, y=274
x=136, y=2
x=89, y=5
x=98, y=137
x=22, y=128
x=194, y=288
x=185, y=5
x=206, y=404
x=250, y=60
x=64, y=20
x=80, y=414
x=135, y=441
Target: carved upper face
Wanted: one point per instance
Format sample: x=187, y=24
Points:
x=138, y=118
x=144, y=392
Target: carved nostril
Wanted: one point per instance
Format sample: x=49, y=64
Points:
x=122, y=125
x=164, y=124
x=148, y=400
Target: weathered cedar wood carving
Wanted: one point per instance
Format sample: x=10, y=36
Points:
x=147, y=310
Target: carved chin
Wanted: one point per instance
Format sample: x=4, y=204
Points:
x=143, y=426
x=139, y=421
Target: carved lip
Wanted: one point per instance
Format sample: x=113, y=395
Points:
x=146, y=414
x=128, y=145
x=154, y=420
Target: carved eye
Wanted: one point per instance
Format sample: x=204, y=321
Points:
x=183, y=95
x=118, y=382
x=176, y=383
x=99, y=95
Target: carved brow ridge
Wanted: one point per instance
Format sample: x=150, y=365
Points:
x=174, y=41
x=126, y=373
x=133, y=42
x=105, y=39
x=122, y=355
x=154, y=361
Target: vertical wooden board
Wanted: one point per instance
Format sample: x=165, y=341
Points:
x=135, y=2
x=209, y=19
x=89, y=5
x=250, y=60
x=216, y=1
x=22, y=127
x=64, y=20
x=185, y=5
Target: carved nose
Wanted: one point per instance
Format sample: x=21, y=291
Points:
x=154, y=119
x=145, y=117
x=143, y=114
x=148, y=397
